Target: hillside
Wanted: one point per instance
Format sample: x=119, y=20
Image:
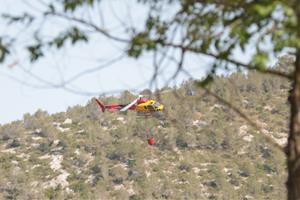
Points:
x=207, y=152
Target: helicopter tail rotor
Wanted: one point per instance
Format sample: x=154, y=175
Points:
x=100, y=104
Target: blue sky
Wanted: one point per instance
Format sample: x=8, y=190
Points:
x=65, y=64
x=126, y=74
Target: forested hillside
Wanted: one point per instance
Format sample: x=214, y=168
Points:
x=204, y=149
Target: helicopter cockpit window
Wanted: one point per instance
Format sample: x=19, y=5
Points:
x=150, y=107
x=156, y=104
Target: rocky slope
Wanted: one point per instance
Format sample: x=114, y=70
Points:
x=204, y=149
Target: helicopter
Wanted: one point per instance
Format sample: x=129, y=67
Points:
x=142, y=105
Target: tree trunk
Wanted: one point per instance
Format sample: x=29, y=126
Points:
x=293, y=148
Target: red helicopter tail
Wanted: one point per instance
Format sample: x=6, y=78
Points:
x=100, y=104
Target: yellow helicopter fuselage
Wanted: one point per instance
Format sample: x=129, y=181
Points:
x=149, y=106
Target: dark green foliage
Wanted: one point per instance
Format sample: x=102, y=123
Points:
x=52, y=193
x=184, y=167
x=73, y=34
x=13, y=143
x=3, y=50
x=181, y=143
x=11, y=193
x=118, y=180
x=8, y=132
x=244, y=173
x=35, y=52
x=44, y=147
x=72, y=5
x=134, y=175
x=135, y=197
x=267, y=188
x=118, y=156
x=212, y=184
x=96, y=169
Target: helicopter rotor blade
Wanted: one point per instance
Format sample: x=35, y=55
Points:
x=131, y=104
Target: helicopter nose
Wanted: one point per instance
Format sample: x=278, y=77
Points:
x=161, y=107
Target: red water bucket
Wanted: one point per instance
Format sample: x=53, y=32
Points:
x=151, y=141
